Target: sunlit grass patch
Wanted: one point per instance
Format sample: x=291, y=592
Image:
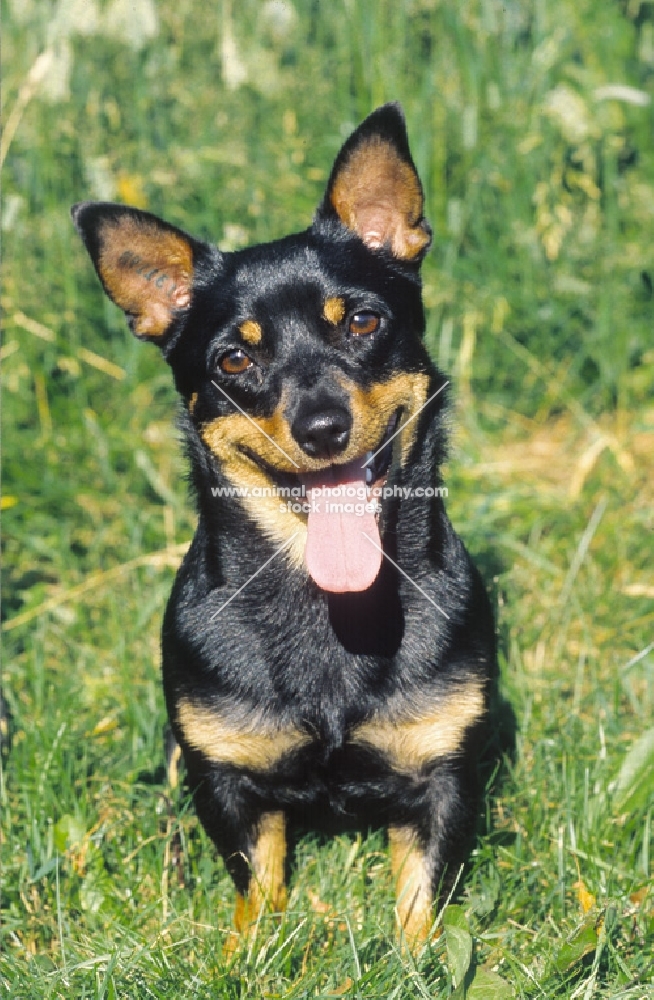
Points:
x=532, y=129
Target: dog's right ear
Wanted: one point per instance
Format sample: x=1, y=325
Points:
x=145, y=265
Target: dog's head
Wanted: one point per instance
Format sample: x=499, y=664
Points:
x=300, y=361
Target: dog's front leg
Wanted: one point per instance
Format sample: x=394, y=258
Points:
x=426, y=856
x=265, y=855
x=411, y=869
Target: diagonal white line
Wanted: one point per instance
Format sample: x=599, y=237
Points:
x=406, y=575
x=405, y=424
x=262, y=567
x=254, y=423
x=638, y=657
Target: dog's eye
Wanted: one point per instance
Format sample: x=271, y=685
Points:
x=235, y=362
x=362, y=324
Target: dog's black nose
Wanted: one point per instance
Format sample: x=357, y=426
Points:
x=323, y=433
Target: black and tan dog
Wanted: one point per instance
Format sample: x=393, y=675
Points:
x=328, y=646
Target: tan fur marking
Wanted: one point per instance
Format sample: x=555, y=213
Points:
x=412, y=886
x=223, y=742
x=334, y=310
x=192, y=401
x=148, y=272
x=270, y=512
x=267, y=888
x=378, y=196
x=251, y=331
x=375, y=407
x=225, y=436
x=268, y=859
x=410, y=742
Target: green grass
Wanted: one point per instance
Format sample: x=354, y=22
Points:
x=225, y=119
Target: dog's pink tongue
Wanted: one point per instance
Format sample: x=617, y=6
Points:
x=338, y=555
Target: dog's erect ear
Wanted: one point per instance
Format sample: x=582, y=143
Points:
x=144, y=264
x=374, y=188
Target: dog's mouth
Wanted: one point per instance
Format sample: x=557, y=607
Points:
x=344, y=549
x=342, y=503
x=377, y=463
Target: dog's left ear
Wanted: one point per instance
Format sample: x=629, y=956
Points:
x=374, y=188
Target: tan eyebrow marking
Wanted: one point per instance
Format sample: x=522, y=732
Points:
x=251, y=331
x=334, y=310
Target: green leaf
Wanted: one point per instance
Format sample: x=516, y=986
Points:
x=91, y=894
x=634, y=784
x=488, y=985
x=458, y=941
x=582, y=943
x=455, y=916
x=67, y=832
